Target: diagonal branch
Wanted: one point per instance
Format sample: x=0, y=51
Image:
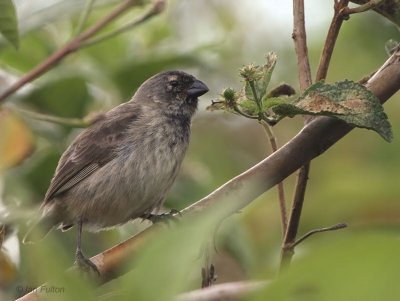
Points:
x=313, y=140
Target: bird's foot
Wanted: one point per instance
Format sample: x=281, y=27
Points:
x=85, y=264
x=164, y=217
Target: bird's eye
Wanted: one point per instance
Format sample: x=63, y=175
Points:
x=174, y=83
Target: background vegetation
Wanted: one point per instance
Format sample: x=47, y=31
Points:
x=356, y=182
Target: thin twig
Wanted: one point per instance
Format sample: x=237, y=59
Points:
x=281, y=189
x=298, y=200
x=294, y=218
x=300, y=42
x=238, y=111
x=313, y=140
x=331, y=38
x=73, y=122
x=70, y=47
x=253, y=90
x=156, y=9
x=312, y=232
x=361, y=8
x=85, y=15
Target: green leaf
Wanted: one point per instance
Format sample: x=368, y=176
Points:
x=249, y=107
x=360, y=266
x=278, y=103
x=262, y=86
x=248, y=91
x=171, y=261
x=387, y=8
x=8, y=22
x=346, y=100
x=64, y=97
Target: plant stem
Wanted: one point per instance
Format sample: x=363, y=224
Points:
x=331, y=38
x=85, y=15
x=253, y=90
x=73, y=122
x=281, y=189
x=315, y=231
x=156, y=9
x=237, y=110
x=294, y=219
x=362, y=8
x=300, y=42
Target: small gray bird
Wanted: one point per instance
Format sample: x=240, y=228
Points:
x=121, y=167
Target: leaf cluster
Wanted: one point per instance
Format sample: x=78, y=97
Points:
x=345, y=100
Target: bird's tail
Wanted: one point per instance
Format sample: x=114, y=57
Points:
x=39, y=229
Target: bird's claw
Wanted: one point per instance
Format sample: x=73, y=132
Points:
x=164, y=217
x=85, y=264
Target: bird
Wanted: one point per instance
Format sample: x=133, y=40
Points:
x=122, y=166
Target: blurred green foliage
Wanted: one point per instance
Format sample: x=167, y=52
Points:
x=355, y=182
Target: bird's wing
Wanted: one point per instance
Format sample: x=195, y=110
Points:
x=92, y=149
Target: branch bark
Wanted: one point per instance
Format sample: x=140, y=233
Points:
x=226, y=291
x=313, y=140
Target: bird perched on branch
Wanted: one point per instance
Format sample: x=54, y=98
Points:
x=121, y=167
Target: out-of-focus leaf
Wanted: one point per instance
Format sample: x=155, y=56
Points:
x=172, y=260
x=39, y=175
x=346, y=100
x=8, y=22
x=34, y=48
x=16, y=140
x=362, y=266
x=64, y=97
x=7, y=269
x=387, y=8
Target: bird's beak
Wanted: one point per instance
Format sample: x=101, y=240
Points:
x=197, y=89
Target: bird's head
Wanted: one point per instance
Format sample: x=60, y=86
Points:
x=176, y=92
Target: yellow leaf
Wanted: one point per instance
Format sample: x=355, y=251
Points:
x=16, y=140
x=7, y=269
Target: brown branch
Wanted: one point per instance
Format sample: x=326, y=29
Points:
x=300, y=42
x=313, y=140
x=288, y=245
x=360, y=9
x=301, y=185
x=320, y=230
x=226, y=291
x=331, y=38
x=71, y=47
